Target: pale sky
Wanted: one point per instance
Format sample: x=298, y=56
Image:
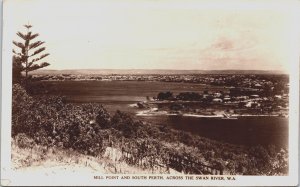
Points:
x=159, y=34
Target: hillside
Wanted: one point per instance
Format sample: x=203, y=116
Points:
x=61, y=134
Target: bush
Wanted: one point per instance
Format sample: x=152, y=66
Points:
x=124, y=123
x=49, y=121
x=103, y=118
x=24, y=141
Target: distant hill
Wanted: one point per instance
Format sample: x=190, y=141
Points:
x=151, y=71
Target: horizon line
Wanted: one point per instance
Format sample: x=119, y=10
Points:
x=160, y=69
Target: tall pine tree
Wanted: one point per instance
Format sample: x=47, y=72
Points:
x=25, y=60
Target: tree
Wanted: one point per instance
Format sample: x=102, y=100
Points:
x=26, y=60
x=165, y=96
x=189, y=96
x=17, y=68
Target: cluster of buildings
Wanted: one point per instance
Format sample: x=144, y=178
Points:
x=244, y=103
x=254, y=103
x=241, y=80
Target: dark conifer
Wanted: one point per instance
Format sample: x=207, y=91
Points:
x=26, y=58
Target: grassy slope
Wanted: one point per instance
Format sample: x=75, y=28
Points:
x=55, y=161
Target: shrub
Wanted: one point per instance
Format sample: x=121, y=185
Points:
x=24, y=141
x=103, y=118
x=124, y=123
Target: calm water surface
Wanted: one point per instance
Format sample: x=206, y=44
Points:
x=244, y=131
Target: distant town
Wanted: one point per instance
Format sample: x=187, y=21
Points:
x=239, y=94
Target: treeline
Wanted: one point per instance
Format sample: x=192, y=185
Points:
x=87, y=128
x=185, y=96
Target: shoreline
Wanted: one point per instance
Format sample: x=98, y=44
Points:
x=220, y=116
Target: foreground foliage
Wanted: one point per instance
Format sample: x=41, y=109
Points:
x=90, y=129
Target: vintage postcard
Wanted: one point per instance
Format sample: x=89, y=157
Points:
x=150, y=93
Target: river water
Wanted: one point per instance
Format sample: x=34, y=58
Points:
x=119, y=95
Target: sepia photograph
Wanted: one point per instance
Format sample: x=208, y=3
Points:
x=150, y=92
